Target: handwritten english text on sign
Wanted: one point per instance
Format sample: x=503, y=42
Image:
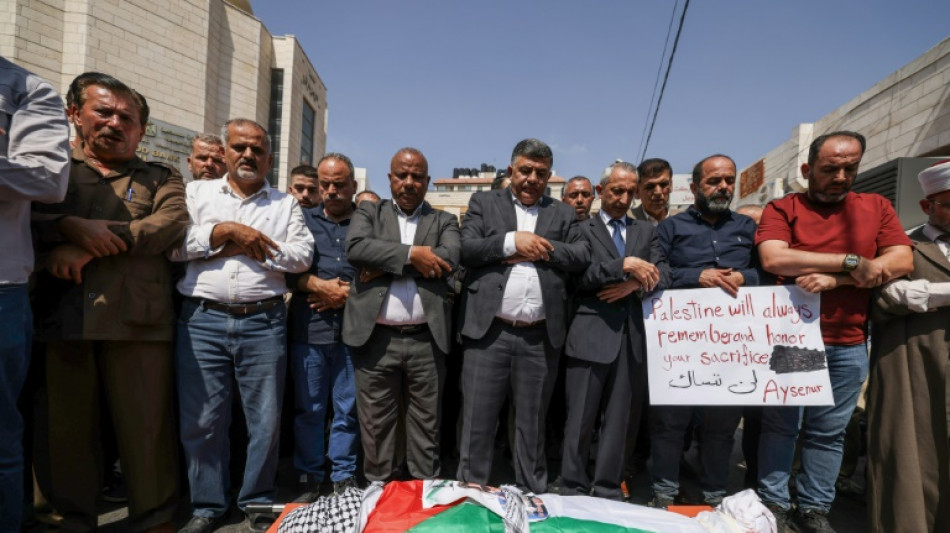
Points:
x=762, y=348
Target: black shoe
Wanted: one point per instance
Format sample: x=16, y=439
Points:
x=554, y=487
x=713, y=502
x=259, y=521
x=781, y=518
x=339, y=487
x=198, y=524
x=811, y=521
x=660, y=502
x=113, y=487
x=308, y=488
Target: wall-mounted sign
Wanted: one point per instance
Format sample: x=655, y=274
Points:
x=752, y=178
x=167, y=143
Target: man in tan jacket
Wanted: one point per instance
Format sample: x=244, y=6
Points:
x=104, y=308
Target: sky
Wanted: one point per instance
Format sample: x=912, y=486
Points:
x=464, y=81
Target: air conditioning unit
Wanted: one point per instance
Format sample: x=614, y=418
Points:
x=896, y=180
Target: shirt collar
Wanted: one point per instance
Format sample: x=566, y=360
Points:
x=518, y=202
x=132, y=164
x=606, y=218
x=725, y=216
x=414, y=214
x=319, y=212
x=226, y=188
x=932, y=232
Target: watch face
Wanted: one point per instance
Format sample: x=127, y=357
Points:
x=850, y=262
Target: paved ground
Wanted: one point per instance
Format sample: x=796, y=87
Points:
x=848, y=515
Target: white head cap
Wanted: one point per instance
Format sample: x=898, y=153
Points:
x=935, y=179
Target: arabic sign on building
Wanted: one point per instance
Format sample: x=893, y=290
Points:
x=680, y=194
x=762, y=348
x=752, y=178
x=167, y=143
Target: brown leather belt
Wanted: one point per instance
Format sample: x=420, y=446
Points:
x=242, y=308
x=408, y=329
x=520, y=323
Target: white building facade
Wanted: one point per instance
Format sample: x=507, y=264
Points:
x=197, y=62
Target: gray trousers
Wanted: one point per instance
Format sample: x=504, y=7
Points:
x=507, y=360
x=392, y=371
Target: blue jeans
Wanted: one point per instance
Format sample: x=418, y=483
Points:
x=214, y=349
x=822, y=430
x=318, y=371
x=16, y=331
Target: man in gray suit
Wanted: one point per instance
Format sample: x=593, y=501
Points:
x=519, y=247
x=397, y=318
x=606, y=372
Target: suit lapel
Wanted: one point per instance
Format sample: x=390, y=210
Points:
x=545, y=215
x=426, y=219
x=632, y=236
x=507, y=203
x=932, y=252
x=387, y=217
x=600, y=232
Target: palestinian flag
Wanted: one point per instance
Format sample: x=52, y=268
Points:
x=445, y=506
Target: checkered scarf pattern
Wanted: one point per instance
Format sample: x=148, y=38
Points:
x=339, y=513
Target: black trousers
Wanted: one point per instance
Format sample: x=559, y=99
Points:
x=605, y=391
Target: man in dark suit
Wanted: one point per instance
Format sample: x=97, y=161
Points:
x=605, y=345
x=655, y=182
x=519, y=247
x=397, y=318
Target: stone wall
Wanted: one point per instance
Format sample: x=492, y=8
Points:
x=906, y=114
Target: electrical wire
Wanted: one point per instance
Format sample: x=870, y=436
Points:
x=666, y=77
x=659, y=73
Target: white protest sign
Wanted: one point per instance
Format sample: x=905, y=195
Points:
x=764, y=347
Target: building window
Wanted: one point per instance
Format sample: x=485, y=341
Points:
x=274, y=121
x=306, y=134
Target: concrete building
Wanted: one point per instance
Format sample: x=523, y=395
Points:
x=904, y=115
x=198, y=62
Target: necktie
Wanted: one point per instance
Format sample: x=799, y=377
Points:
x=618, y=236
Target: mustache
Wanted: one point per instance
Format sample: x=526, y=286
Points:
x=249, y=162
x=108, y=131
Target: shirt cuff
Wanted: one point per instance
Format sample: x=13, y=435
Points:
x=203, y=240
x=508, y=249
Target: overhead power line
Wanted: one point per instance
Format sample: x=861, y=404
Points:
x=666, y=77
x=659, y=74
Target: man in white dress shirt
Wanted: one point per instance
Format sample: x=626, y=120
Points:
x=397, y=318
x=244, y=235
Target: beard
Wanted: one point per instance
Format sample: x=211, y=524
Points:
x=823, y=198
x=246, y=174
x=714, y=204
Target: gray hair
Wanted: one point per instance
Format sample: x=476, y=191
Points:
x=532, y=149
x=207, y=138
x=245, y=122
x=341, y=158
x=623, y=165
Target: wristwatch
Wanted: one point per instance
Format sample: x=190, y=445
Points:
x=850, y=262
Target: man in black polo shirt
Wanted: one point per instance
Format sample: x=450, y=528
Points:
x=321, y=365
